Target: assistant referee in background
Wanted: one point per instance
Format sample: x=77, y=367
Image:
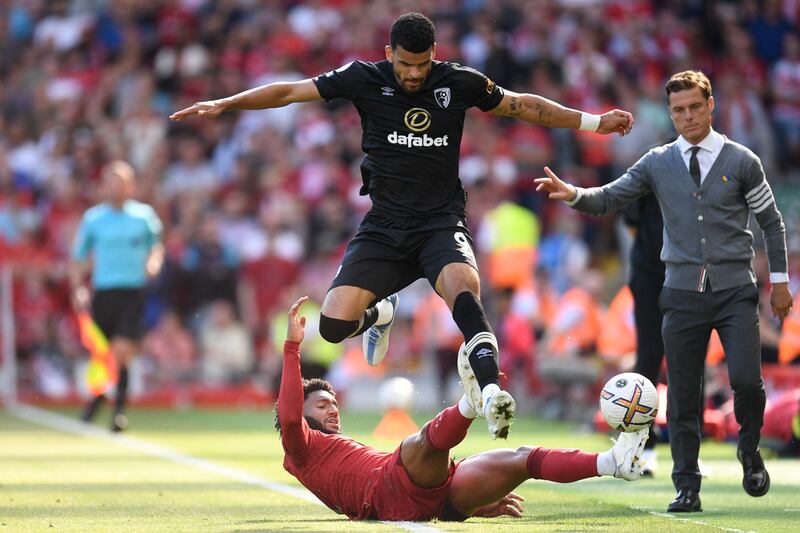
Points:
x=122, y=237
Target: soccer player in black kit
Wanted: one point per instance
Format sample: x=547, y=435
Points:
x=412, y=115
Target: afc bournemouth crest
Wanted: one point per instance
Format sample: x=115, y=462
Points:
x=442, y=96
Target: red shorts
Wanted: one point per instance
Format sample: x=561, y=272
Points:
x=397, y=498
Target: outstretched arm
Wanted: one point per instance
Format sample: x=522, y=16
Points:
x=609, y=198
x=294, y=429
x=556, y=188
x=276, y=94
x=540, y=110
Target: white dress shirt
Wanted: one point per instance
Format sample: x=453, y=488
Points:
x=710, y=147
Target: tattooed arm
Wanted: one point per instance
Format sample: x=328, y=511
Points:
x=540, y=110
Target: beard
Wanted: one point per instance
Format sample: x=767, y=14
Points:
x=313, y=423
x=403, y=87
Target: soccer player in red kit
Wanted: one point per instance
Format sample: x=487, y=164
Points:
x=418, y=481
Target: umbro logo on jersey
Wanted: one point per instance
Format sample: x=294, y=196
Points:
x=387, y=91
x=442, y=96
x=484, y=352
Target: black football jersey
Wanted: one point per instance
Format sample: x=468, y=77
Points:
x=411, y=141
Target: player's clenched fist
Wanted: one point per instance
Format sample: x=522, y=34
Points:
x=616, y=121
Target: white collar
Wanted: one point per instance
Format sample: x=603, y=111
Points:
x=713, y=142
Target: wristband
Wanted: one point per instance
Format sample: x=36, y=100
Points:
x=589, y=122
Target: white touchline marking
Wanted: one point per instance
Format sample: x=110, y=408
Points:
x=698, y=522
x=792, y=510
x=68, y=425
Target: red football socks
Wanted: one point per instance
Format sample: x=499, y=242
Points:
x=561, y=465
x=448, y=428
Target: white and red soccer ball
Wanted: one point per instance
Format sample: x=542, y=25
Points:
x=629, y=402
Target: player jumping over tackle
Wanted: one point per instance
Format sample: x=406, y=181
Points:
x=412, y=113
x=419, y=481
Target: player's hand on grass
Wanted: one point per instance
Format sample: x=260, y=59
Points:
x=297, y=324
x=615, y=121
x=509, y=505
x=556, y=189
x=781, y=300
x=209, y=108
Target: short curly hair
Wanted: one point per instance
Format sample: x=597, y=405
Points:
x=414, y=32
x=309, y=386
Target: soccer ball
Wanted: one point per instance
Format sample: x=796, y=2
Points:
x=629, y=402
x=396, y=394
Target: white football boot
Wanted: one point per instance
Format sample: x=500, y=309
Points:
x=375, y=341
x=627, y=452
x=471, y=388
x=500, y=407
x=499, y=413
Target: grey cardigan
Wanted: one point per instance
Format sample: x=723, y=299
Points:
x=706, y=234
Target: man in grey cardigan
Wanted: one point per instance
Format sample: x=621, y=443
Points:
x=707, y=185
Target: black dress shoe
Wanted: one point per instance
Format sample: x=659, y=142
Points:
x=756, y=478
x=687, y=501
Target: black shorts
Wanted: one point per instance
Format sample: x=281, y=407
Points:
x=119, y=312
x=386, y=256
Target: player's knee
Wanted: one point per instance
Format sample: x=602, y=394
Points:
x=124, y=349
x=525, y=451
x=421, y=437
x=335, y=330
x=523, y=455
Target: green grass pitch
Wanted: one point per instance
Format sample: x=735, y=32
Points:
x=226, y=475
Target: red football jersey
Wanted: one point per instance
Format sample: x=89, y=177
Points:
x=338, y=470
x=349, y=477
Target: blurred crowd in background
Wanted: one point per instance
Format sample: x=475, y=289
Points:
x=257, y=206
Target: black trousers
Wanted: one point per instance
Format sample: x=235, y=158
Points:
x=648, y=318
x=689, y=318
x=649, y=343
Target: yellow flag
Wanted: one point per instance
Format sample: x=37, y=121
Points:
x=101, y=374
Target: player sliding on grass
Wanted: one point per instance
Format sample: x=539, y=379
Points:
x=412, y=114
x=419, y=481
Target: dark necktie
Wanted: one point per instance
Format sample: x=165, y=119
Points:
x=694, y=166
